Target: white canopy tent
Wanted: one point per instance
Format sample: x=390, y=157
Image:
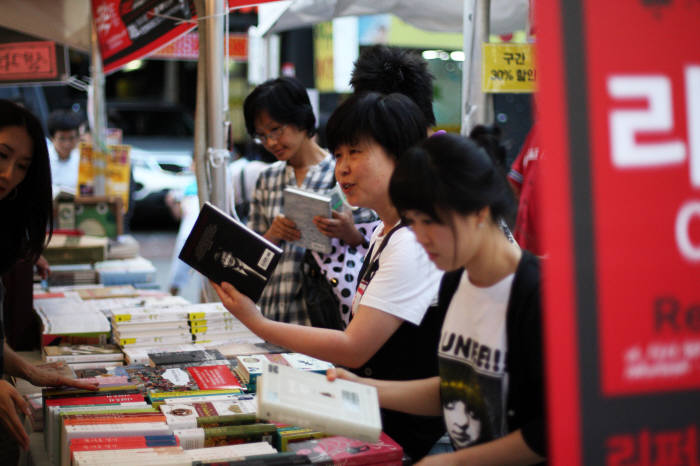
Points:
x=443, y=16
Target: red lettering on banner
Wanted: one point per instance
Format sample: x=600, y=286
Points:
x=665, y=448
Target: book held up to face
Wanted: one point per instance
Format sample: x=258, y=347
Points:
x=225, y=250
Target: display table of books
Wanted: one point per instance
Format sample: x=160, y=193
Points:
x=187, y=384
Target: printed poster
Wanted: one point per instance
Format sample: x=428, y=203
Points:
x=620, y=100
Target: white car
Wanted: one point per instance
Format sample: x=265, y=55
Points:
x=155, y=171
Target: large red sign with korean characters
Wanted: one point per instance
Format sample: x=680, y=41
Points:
x=619, y=105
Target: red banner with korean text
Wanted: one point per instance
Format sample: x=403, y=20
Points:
x=619, y=105
x=131, y=29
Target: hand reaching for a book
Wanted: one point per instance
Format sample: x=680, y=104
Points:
x=282, y=229
x=46, y=377
x=238, y=304
x=10, y=402
x=341, y=226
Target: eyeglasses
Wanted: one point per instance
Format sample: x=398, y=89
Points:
x=274, y=135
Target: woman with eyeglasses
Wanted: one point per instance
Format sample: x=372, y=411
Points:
x=279, y=116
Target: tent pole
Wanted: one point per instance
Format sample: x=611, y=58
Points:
x=98, y=112
x=216, y=148
x=477, y=107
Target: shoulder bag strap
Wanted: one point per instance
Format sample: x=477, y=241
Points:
x=366, y=268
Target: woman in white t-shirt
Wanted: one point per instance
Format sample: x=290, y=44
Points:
x=391, y=334
x=490, y=389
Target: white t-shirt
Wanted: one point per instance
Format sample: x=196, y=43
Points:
x=472, y=355
x=64, y=173
x=406, y=283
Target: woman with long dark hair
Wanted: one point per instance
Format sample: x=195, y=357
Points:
x=26, y=210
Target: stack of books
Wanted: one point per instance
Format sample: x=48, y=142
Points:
x=249, y=367
x=122, y=247
x=70, y=320
x=84, y=356
x=134, y=271
x=335, y=450
x=72, y=274
x=173, y=325
x=70, y=249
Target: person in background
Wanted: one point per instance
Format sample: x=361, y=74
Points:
x=390, y=69
x=391, y=334
x=523, y=176
x=450, y=193
x=26, y=207
x=279, y=116
x=63, y=132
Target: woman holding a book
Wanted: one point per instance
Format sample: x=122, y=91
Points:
x=26, y=210
x=490, y=386
x=392, y=333
x=279, y=116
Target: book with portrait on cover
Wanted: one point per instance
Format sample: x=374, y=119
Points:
x=225, y=250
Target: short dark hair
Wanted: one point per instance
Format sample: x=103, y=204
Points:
x=62, y=120
x=285, y=100
x=29, y=213
x=393, y=121
x=489, y=137
x=390, y=69
x=449, y=172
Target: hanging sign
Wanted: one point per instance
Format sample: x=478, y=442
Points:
x=129, y=30
x=619, y=102
x=508, y=68
x=26, y=59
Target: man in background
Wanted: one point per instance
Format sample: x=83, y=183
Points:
x=63, y=153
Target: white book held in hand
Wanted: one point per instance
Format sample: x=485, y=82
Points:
x=307, y=399
x=301, y=207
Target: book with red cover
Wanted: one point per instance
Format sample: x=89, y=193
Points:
x=95, y=400
x=214, y=377
x=349, y=452
x=121, y=443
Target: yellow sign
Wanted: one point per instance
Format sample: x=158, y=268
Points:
x=508, y=68
x=323, y=56
x=115, y=166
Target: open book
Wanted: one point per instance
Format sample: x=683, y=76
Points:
x=302, y=206
x=223, y=249
x=307, y=399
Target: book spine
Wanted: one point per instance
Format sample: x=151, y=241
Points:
x=85, y=358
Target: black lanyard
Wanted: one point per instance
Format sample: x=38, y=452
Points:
x=369, y=270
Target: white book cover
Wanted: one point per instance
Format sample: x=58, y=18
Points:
x=181, y=416
x=69, y=316
x=95, y=364
x=307, y=399
x=161, y=456
x=139, y=354
x=301, y=207
x=306, y=363
x=190, y=438
x=144, y=340
x=157, y=313
x=246, y=400
x=230, y=452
